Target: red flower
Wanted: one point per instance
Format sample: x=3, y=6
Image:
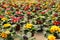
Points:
x=52, y=3
x=39, y=22
x=56, y=23
x=43, y=12
x=26, y=8
x=38, y=5
x=15, y=19
x=1, y=16
x=18, y=12
x=28, y=13
x=21, y=17
x=55, y=15
x=7, y=8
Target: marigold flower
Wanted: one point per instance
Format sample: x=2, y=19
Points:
x=7, y=25
x=51, y=37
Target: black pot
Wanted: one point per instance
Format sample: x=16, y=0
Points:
x=25, y=37
x=17, y=28
x=25, y=31
x=56, y=35
x=41, y=29
x=32, y=33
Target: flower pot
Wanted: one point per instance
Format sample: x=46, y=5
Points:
x=25, y=37
x=56, y=35
x=25, y=31
x=32, y=33
x=17, y=28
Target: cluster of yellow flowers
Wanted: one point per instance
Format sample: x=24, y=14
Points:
x=51, y=37
x=4, y=19
x=28, y=26
x=7, y=25
x=54, y=29
x=5, y=34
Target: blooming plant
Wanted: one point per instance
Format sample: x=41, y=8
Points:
x=54, y=30
x=18, y=18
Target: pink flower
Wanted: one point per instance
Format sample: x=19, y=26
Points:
x=7, y=8
x=43, y=12
x=28, y=13
x=18, y=12
x=26, y=8
x=21, y=17
x=1, y=16
x=15, y=19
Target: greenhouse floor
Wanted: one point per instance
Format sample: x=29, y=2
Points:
x=38, y=36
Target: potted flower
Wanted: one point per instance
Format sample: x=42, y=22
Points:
x=54, y=31
x=29, y=28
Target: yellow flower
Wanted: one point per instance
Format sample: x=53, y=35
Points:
x=0, y=34
x=53, y=18
x=3, y=35
x=4, y=19
x=54, y=28
x=7, y=25
x=51, y=37
x=58, y=7
x=28, y=25
x=47, y=2
x=7, y=32
x=58, y=29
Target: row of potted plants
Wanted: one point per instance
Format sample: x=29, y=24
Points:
x=23, y=20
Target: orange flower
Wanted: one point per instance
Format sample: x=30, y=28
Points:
x=3, y=35
x=5, y=5
x=8, y=13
